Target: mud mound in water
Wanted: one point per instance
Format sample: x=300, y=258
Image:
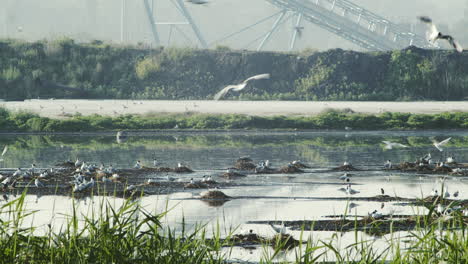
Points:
x=290, y=169
x=245, y=165
x=232, y=175
x=300, y=165
x=214, y=195
x=442, y=169
x=286, y=240
x=244, y=159
x=183, y=169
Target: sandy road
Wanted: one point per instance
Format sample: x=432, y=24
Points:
x=61, y=108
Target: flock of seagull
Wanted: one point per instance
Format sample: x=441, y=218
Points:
x=427, y=159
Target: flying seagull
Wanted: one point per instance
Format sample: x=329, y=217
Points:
x=439, y=145
x=435, y=34
x=240, y=87
x=391, y=145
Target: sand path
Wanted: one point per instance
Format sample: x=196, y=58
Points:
x=61, y=108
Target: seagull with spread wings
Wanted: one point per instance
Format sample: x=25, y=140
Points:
x=241, y=86
x=435, y=34
x=439, y=145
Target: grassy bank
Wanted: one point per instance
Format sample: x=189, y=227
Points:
x=130, y=234
x=65, y=69
x=28, y=122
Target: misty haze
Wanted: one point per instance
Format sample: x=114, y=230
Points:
x=233, y=131
x=86, y=20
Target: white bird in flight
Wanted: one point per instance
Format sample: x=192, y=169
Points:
x=5, y=149
x=391, y=145
x=439, y=145
x=241, y=86
x=435, y=34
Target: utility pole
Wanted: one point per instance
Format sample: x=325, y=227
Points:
x=122, y=21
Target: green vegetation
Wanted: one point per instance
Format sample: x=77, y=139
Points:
x=130, y=234
x=331, y=119
x=62, y=68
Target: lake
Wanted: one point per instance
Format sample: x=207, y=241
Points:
x=312, y=195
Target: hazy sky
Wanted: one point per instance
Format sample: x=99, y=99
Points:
x=100, y=19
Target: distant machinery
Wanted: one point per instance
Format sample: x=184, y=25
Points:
x=340, y=17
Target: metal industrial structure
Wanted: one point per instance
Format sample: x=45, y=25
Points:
x=341, y=17
x=180, y=6
x=353, y=23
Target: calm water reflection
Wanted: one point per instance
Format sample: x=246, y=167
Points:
x=206, y=151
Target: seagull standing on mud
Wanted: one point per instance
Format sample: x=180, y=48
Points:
x=435, y=34
x=349, y=190
x=137, y=165
x=388, y=164
x=241, y=86
x=279, y=230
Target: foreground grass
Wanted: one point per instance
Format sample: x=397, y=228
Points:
x=331, y=119
x=129, y=234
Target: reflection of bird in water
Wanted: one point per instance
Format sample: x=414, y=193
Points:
x=38, y=195
x=241, y=86
x=391, y=145
x=351, y=206
x=345, y=177
x=434, y=34
x=382, y=191
x=5, y=149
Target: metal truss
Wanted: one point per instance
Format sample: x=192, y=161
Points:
x=352, y=22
